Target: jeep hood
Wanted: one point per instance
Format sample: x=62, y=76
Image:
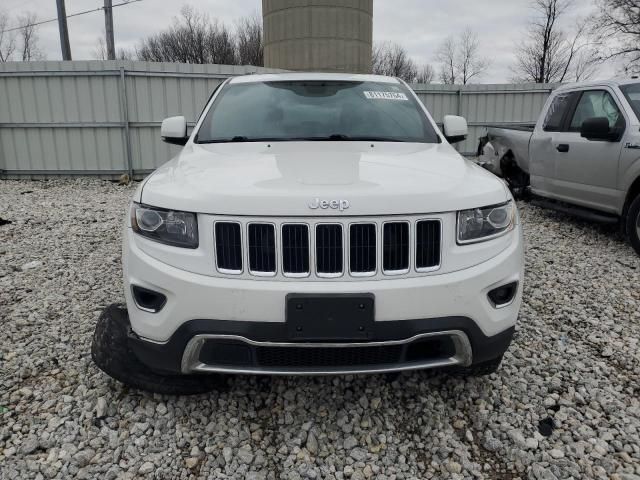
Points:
x=283, y=178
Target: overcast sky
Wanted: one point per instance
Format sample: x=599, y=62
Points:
x=419, y=25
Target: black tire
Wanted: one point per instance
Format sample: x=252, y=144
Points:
x=633, y=224
x=480, y=369
x=516, y=178
x=111, y=353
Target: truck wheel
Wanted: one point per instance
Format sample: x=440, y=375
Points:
x=633, y=224
x=111, y=353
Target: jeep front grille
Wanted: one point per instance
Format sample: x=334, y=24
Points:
x=228, y=247
x=295, y=250
x=395, y=251
x=427, y=244
x=329, y=252
x=362, y=249
x=327, y=248
x=262, y=249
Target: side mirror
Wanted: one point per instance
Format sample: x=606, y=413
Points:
x=455, y=128
x=174, y=130
x=597, y=128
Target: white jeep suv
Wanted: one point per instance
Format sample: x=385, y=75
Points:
x=313, y=224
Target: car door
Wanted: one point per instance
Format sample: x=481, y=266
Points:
x=544, y=140
x=586, y=171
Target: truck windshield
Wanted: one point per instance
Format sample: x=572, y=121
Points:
x=632, y=92
x=316, y=111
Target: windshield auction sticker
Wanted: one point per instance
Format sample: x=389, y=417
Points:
x=385, y=96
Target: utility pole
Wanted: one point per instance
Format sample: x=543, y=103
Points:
x=108, y=27
x=64, y=32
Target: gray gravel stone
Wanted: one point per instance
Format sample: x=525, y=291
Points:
x=29, y=446
x=245, y=455
x=146, y=468
x=575, y=359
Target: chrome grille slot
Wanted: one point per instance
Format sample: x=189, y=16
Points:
x=262, y=249
x=295, y=249
x=362, y=248
x=428, y=244
x=329, y=250
x=228, y=242
x=395, y=251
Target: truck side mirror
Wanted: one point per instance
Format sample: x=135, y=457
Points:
x=174, y=130
x=455, y=128
x=597, y=128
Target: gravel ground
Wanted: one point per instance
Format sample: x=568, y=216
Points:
x=564, y=405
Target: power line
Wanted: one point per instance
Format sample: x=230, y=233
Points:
x=69, y=16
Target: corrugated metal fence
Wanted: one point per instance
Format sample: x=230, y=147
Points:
x=97, y=117
x=103, y=117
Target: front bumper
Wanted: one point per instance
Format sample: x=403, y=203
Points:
x=262, y=348
x=190, y=296
x=436, y=320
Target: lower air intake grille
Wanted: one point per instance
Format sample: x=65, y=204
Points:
x=428, y=244
x=262, y=248
x=329, y=249
x=395, y=253
x=228, y=247
x=362, y=248
x=223, y=352
x=295, y=249
x=328, y=357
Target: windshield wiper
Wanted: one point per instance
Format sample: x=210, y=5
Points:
x=236, y=139
x=341, y=137
x=334, y=137
x=376, y=139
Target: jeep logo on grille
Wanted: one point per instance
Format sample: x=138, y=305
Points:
x=325, y=204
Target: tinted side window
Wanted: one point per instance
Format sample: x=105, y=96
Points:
x=632, y=92
x=596, y=103
x=555, y=114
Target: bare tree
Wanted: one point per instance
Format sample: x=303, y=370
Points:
x=426, y=74
x=100, y=50
x=28, y=38
x=585, y=66
x=249, y=48
x=551, y=55
x=460, y=59
x=580, y=56
x=193, y=38
x=539, y=56
x=393, y=60
x=125, y=54
x=7, y=39
x=617, y=25
x=447, y=57
x=469, y=62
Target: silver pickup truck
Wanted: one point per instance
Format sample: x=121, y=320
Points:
x=581, y=157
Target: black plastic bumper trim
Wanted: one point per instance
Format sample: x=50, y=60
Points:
x=168, y=356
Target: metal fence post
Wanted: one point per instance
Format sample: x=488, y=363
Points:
x=457, y=146
x=125, y=121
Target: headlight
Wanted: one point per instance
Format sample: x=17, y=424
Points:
x=480, y=224
x=179, y=229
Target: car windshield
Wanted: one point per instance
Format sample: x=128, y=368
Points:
x=316, y=110
x=632, y=92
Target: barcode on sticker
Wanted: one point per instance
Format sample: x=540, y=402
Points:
x=385, y=96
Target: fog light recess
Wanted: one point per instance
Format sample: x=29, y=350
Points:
x=503, y=296
x=148, y=300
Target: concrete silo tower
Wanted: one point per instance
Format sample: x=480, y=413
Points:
x=318, y=35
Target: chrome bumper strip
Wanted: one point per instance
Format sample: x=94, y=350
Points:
x=192, y=364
